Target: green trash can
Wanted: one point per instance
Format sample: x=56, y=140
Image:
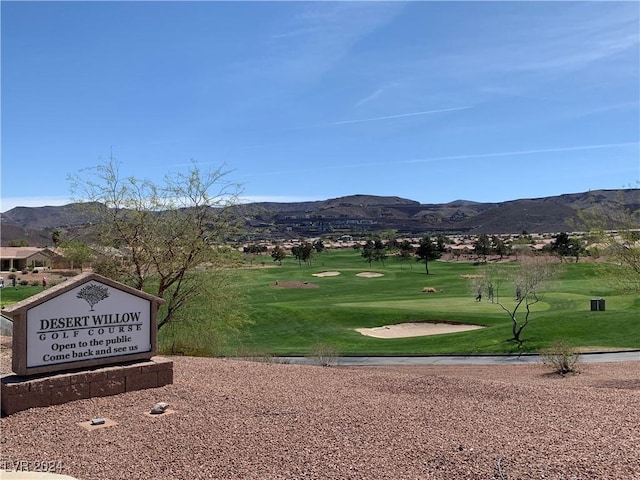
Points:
x=601, y=305
x=594, y=305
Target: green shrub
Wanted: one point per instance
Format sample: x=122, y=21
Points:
x=561, y=357
x=324, y=355
x=190, y=338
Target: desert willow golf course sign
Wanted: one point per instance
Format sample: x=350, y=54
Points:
x=87, y=321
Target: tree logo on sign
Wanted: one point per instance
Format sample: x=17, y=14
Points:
x=93, y=294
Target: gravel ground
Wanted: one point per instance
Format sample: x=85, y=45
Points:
x=247, y=420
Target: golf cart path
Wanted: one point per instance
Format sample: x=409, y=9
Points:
x=596, y=357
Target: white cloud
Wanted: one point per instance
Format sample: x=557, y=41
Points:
x=581, y=35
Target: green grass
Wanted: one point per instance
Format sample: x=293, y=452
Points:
x=292, y=321
x=10, y=295
x=295, y=321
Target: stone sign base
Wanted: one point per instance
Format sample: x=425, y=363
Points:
x=20, y=393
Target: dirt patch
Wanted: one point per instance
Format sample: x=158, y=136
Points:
x=620, y=384
x=416, y=329
x=326, y=274
x=294, y=285
x=369, y=274
x=472, y=276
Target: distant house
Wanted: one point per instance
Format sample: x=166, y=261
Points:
x=461, y=248
x=20, y=258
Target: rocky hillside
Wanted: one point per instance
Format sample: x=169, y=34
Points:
x=357, y=214
x=363, y=213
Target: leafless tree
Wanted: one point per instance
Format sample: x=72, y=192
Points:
x=530, y=278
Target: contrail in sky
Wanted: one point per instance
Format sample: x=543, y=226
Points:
x=525, y=152
x=344, y=122
x=486, y=155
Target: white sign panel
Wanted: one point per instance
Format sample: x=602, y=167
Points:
x=91, y=321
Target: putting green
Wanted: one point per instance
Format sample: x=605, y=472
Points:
x=454, y=304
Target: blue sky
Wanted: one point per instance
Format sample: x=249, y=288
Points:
x=431, y=101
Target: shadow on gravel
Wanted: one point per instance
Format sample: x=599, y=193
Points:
x=619, y=384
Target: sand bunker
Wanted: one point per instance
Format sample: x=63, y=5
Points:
x=326, y=274
x=416, y=329
x=369, y=274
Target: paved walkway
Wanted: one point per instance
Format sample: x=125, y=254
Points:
x=625, y=356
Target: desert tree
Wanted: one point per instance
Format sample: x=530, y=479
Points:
x=427, y=252
x=278, y=254
x=255, y=249
x=368, y=251
x=482, y=246
x=379, y=251
x=566, y=246
x=56, y=237
x=374, y=250
x=76, y=252
x=405, y=251
x=530, y=277
x=389, y=237
x=153, y=235
x=442, y=241
x=499, y=246
x=615, y=230
x=303, y=252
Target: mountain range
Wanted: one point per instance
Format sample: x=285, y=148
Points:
x=357, y=214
